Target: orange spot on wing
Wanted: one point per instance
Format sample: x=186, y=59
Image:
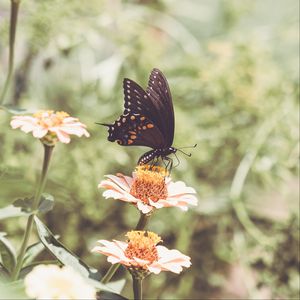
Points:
x=130, y=142
x=150, y=125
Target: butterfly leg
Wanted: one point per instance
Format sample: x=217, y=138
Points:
x=168, y=162
x=178, y=161
x=154, y=162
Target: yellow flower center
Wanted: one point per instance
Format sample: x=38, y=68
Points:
x=48, y=118
x=149, y=183
x=142, y=244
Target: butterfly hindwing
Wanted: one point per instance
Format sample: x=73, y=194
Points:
x=133, y=129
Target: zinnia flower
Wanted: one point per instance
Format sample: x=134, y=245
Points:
x=141, y=254
x=53, y=282
x=149, y=188
x=50, y=126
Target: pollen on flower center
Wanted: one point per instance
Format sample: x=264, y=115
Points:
x=48, y=118
x=149, y=183
x=142, y=244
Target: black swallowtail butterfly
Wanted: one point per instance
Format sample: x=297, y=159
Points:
x=147, y=120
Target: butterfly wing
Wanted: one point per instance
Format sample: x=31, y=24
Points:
x=146, y=115
x=136, y=100
x=134, y=129
x=160, y=96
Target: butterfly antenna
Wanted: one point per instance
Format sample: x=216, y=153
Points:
x=194, y=146
x=187, y=154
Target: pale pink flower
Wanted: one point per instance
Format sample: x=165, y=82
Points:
x=50, y=126
x=53, y=282
x=141, y=253
x=149, y=188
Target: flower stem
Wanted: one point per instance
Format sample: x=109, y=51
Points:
x=137, y=287
x=143, y=221
x=110, y=273
x=12, y=35
x=36, y=201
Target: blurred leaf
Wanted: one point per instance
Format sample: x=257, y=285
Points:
x=111, y=296
x=117, y=286
x=11, y=211
x=66, y=257
x=7, y=252
x=22, y=207
x=24, y=203
x=47, y=203
x=4, y=274
x=32, y=252
x=14, y=110
x=12, y=290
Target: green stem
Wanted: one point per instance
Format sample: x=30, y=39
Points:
x=110, y=273
x=12, y=35
x=41, y=185
x=137, y=287
x=242, y=172
x=143, y=221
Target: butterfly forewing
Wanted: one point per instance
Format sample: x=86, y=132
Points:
x=136, y=100
x=160, y=95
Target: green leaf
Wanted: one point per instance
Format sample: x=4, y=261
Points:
x=14, y=110
x=111, y=296
x=47, y=203
x=23, y=207
x=117, y=286
x=7, y=252
x=66, y=257
x=11, y=211
x=24, y=203
x=4, y=274
x=12, y=290
x=32, y=252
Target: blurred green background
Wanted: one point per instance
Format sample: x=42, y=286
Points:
x=233, y=71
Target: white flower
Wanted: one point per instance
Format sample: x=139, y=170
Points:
x=53, y=282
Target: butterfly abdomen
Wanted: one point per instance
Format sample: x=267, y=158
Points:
x=156, y=153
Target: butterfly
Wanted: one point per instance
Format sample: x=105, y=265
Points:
x=147, y=120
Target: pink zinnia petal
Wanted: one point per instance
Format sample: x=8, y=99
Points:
x=110, y=249
x=62, y=136
x=143, y=253
x=76, y=130
x=179, y=188
x=144, y=189
x=157, y=204
x=144, y=208
x=116, y=195
x=120, y=181
x=43, y=122
x=141, y=262
x=39, y=132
